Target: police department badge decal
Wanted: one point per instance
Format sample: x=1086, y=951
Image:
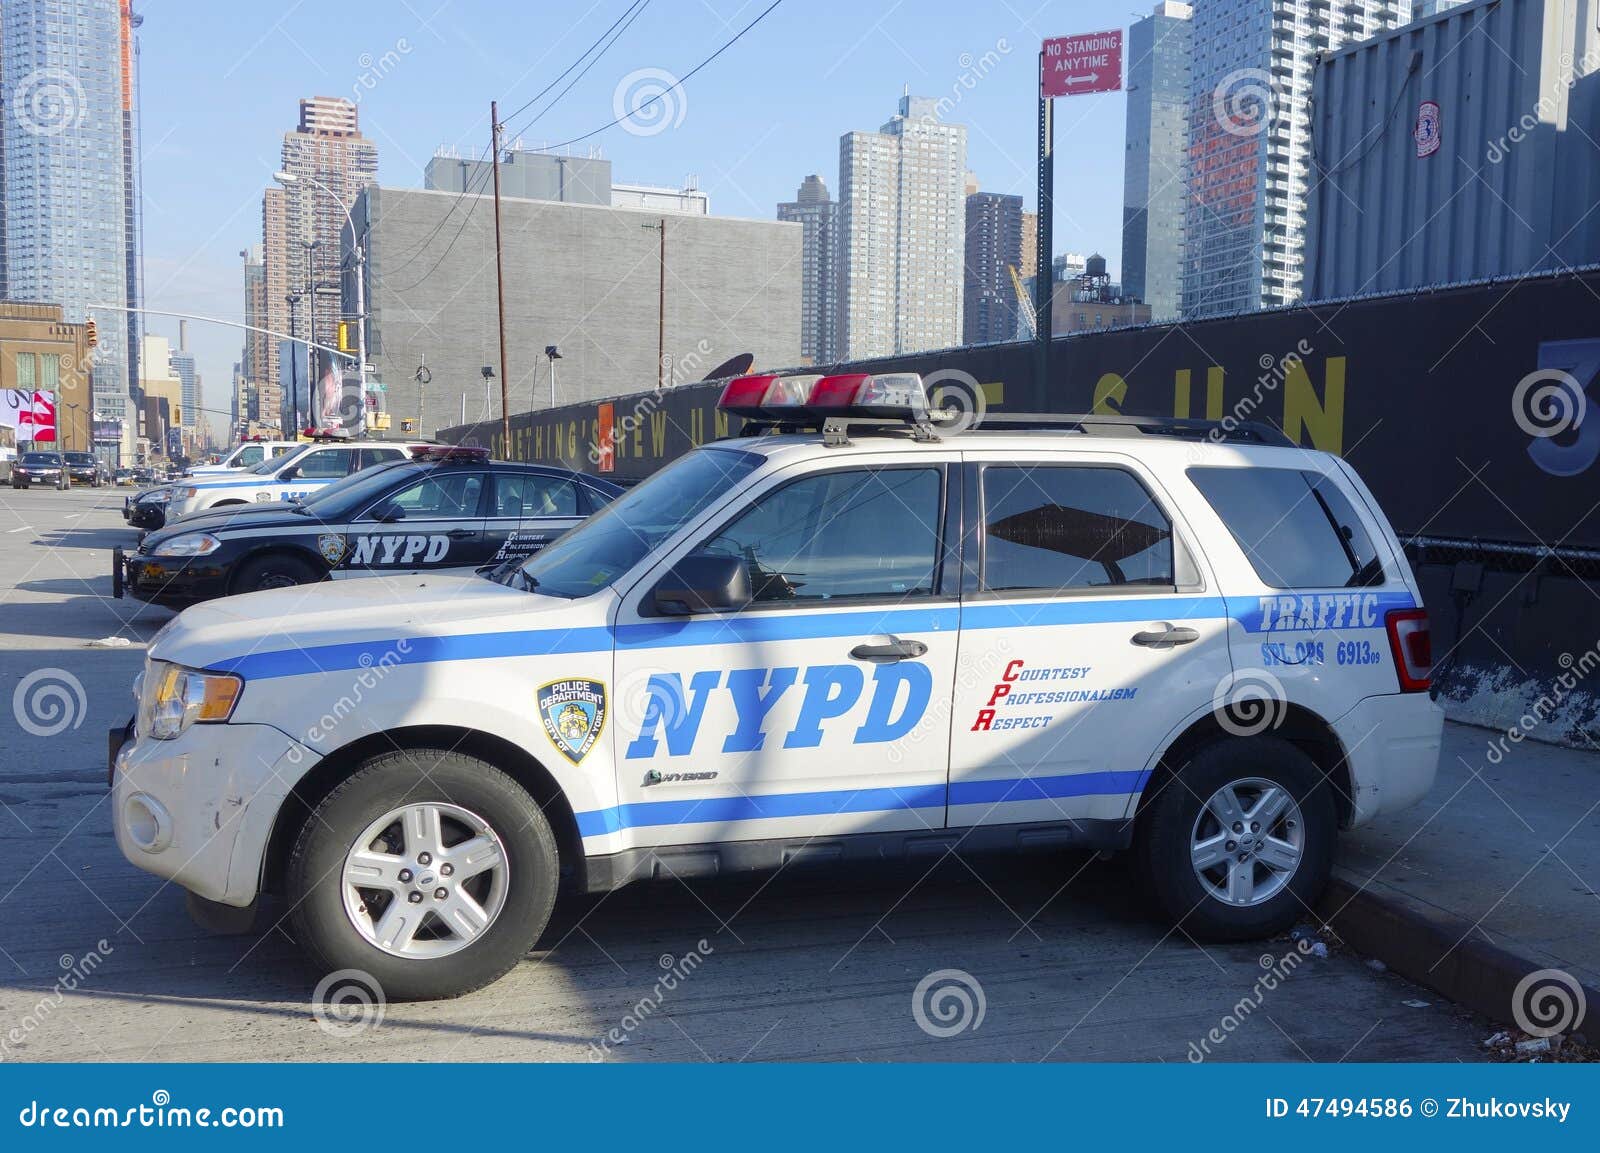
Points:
x=574, y=715
x=332, y=546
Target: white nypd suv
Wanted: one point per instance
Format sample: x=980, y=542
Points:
x=863, y=634
x=295, y=474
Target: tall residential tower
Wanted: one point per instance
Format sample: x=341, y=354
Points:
x=818, y=215
x=993, y=248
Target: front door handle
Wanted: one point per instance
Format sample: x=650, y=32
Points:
x=895, y=650
x=1165, y=636
x=461, y=533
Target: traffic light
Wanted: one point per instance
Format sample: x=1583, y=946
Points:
x=346, y=344
x=91, y=333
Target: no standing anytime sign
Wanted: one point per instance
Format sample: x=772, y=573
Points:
x=1074, y=65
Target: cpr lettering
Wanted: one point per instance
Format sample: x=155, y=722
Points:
x=900, y=696
x=399, y=548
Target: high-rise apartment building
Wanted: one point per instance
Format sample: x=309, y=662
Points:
x=1249, y=142
x=257, y=365
x=330, y=162
x=1153, y=183
x=1030, y=245
x=282, y=297
x=993, y=249
x=818, y=215
x=68, y=200
x=181, y=361
x=902, y=219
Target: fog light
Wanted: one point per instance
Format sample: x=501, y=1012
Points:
x=148, y=823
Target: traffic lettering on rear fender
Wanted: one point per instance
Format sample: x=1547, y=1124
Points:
x=898, y=699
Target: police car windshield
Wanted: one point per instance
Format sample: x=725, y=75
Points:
x=619, y=536
x=273, y=463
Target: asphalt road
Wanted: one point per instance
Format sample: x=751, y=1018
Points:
x=1053, y=957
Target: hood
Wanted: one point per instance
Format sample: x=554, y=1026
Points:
x=216, y=634
x=277, y=514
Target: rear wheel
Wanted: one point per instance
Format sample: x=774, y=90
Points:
x=273, y=571
x=432, y=871
x=1239, y=842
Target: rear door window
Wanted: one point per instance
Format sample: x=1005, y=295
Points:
x=1296, y=527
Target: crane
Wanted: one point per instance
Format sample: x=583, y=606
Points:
x=1028, y=312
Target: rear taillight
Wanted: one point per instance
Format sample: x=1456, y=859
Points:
x=1412, y=646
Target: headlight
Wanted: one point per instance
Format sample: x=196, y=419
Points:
x=172, y=698
x=189, y=544
x=186, y=493
x=159, y=496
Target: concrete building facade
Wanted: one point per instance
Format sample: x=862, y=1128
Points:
x=817, y=213
x=585, y=278
x=1250, y=142
x=902, y=217
x=1154, y=183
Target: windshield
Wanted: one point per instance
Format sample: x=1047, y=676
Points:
x=273, y=463
x=39, y=458
x=353, y=493
x=619, y=536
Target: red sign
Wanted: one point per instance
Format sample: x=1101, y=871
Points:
x=1074, y=65
x=605, y=438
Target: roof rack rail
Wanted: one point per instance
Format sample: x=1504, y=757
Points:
x=1097, y=424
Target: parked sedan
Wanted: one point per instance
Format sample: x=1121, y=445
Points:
x=451, y=509
x=37, y=468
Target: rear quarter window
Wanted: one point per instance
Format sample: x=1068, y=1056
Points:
x=1296, y=527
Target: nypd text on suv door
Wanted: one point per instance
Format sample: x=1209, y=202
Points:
x=821, y=707
x=1089, y=632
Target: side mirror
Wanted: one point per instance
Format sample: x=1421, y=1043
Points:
x=388, y=513
x=703, y=583
x=289, y=473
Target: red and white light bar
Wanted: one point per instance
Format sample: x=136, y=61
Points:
x=447, y=452
x=792, y=399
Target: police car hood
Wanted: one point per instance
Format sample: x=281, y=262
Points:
x=217, y=634
x=274, y=514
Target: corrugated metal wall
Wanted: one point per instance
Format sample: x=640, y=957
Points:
x=1513, y=185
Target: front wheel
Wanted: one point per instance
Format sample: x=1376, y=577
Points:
x=273, y=571
x=1239, y=842
x=432, y=871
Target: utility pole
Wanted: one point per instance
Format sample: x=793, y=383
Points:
x=661, y=307
x=311, y=335
x=291, y=300
x=500, y=280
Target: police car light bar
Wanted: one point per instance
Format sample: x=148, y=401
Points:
x=447, y=452
x=796, y=399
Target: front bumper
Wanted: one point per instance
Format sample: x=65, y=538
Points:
x=174, y=580
x=1392, y=747
x=198, y=810
x=50, y=476
x=151, y=516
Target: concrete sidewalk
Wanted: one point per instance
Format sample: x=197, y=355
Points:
x=1495, y=874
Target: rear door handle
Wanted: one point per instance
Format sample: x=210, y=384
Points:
x=461, y=533
x=895, y=650
x=1165, y=636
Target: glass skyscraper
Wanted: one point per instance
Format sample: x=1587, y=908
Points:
x=69, y=204
x=1154, y=185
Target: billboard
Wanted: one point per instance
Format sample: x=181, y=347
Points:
x=31, y=414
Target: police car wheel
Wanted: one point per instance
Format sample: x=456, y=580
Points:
x=1240, y=844
x=432, y=871
x=273, y=571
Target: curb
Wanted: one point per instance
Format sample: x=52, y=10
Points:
x=1411, y=937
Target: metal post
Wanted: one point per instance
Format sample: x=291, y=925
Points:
x=1044, y=257
x=552, y=382
x=500, y=282
x=294, y=371
x=661, y=314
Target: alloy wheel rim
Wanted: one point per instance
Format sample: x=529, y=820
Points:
x=1247, y=842
x=425, y=880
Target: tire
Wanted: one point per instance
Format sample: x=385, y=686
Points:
x=1182, y=814
x=273, y=570
x=327, y=927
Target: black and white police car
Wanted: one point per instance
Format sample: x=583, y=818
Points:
x=446, y=508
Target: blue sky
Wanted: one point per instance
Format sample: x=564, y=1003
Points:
x=221, y=81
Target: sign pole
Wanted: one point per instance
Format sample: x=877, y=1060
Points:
x=1044, y=271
